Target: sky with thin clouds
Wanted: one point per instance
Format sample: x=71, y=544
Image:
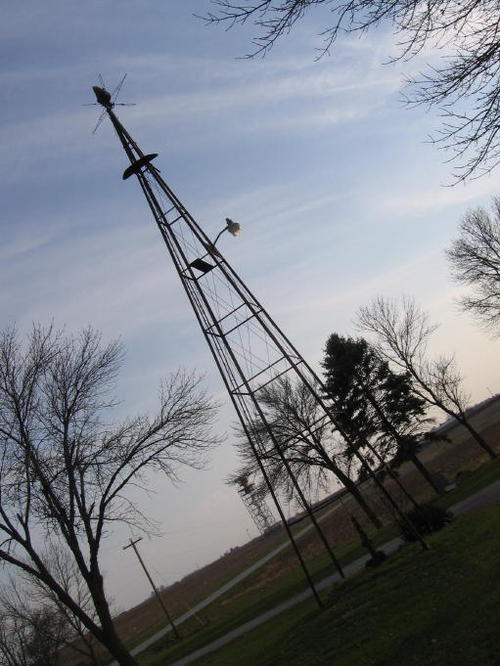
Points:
x=340, y=198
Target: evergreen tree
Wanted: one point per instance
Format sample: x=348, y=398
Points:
x=376, y=406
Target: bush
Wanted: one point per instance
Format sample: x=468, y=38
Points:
x=425, y=519
x=378, y=557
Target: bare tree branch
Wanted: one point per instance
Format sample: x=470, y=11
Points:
x=465, y=87
x=475, y=261
x=402, y=332
x=64, y=468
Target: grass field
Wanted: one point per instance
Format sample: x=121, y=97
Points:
x=256, y=595
x=248, y=600
x=281, y=578
x=438, y=607
x=243, y=603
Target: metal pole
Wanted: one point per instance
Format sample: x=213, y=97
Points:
x=132, y=544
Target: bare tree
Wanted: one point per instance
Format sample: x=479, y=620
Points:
x=33, y=610
x=30, y=636
x=402, y=332
x=306, y=440
x=35, y=627
x=475, y=261
x=465, y=86
x=65, y=470
x=64, y=569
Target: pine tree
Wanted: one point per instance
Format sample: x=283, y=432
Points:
x=377, y=406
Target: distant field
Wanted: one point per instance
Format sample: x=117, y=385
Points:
x=448, y=459
x=249, y=600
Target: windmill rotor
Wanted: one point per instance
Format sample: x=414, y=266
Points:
x=101, y=119
x=106, y=99
x=116, y=91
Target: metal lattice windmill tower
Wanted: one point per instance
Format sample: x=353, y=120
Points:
x=250, y=350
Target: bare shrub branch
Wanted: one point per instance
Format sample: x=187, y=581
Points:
x=475, y=261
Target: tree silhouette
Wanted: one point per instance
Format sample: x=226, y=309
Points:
x=464, y=85
x=375, y=404
x=402, y=331
x=475, y=261
x=307, y=440
x=65, y=468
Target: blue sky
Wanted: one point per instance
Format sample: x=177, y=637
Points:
x=339, y=196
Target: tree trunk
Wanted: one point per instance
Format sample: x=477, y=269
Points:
x=120, y=652
x=425, y=472
x=482, y=443
x=109, y=638
x=356, y=493
x=349, y=484
x=391, y=430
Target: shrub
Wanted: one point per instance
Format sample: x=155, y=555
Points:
x=425, y=519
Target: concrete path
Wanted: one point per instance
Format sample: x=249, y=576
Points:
x=484, y=497
x=488, y=495
x=349, y=570
x=222, y=590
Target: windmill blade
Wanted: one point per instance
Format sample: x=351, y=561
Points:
x=99, y=122
x=124, y=104
x=107, y=100
x=116, y=91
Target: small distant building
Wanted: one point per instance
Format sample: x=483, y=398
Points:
x=252, y=497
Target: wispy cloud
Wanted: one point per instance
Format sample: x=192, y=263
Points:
x=313, y=97
x=316, y=82
x=434, y=199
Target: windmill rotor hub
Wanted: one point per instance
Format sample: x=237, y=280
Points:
x=103, y=96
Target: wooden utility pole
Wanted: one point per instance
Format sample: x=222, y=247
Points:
x=132, y=544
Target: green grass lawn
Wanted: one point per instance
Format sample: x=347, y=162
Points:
x=471, y=483
x=246, y=604
x=438, y=607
